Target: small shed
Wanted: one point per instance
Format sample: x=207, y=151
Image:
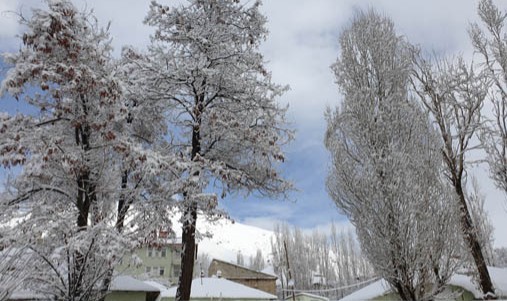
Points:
x=254, y=279
x=126, y=288
x=306, y=297
x=207, y=289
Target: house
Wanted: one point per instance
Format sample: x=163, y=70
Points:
x=126, y=288
x=207, y=289
x=460, y=287
x=158, y=258
x=306, y=297
x=161, y=262
x=251, y=278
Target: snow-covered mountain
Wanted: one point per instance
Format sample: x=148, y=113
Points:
x=230, y=237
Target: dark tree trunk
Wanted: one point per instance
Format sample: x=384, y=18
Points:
x=123, y=203
x=190, y=215
x=85, y=197
x=187, y=254
x=473, y=243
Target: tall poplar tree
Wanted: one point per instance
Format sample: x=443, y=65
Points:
x=386, y=165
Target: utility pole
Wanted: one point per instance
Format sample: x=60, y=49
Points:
x=288, y=269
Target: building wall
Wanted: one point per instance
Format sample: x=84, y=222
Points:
x=244, y=276
x=126, y=296
x=163, y=263
x=266, y=285
x=229, y=270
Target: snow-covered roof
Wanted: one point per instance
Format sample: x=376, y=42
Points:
x=377, y=288
x=160, y=286
x=221, y=288
x=269, y=270
x=26, y=295
x=129, y=284
x=381, y=287
x=312, y=296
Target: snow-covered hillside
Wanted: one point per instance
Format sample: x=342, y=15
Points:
x=230, y=237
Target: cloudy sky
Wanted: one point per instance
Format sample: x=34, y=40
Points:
x=299, y=50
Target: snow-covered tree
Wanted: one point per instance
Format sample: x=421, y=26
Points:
x=240, y=259
x=454, y=93
x=257, y=262
x=87, y=168
x=490, y=43
x=386, y=166
x=202, y=265
x=220, y=105
x=500, y=257
x=480, y=218
x=12, y=268
x=333, y=257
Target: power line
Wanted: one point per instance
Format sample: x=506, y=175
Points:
x=331, y=289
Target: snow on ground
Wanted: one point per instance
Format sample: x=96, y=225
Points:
x=221, y=288
x=498, y=277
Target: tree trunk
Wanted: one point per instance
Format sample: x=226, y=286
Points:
x=123, y=203
x=473, y=242
x=190, y=214
x=85, y=197
x=187, y=254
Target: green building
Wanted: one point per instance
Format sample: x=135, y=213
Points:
x=126, y=288
x=160, y=261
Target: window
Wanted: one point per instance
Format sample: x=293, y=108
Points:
x=161, y=271
x=176, y=270
x=147, y=270
x=163, y=253
x=150, y=252
x=177, y=253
